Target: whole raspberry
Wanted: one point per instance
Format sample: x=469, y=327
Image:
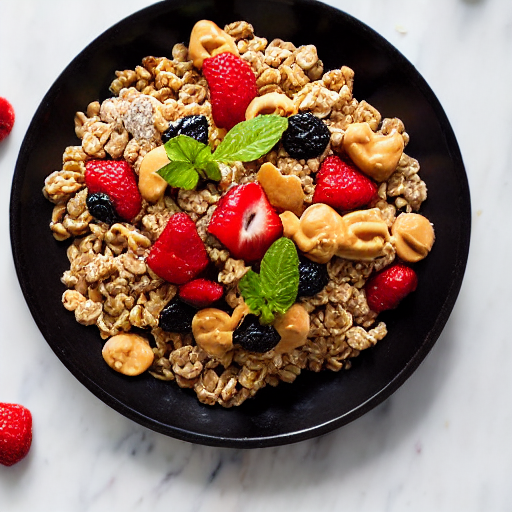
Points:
x=6, y=118
x=15, y=433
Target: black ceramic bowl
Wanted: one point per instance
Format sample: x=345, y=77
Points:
x=315, y=403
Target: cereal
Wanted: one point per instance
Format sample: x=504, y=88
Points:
x=111, y=286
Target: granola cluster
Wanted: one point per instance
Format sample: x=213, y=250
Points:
x=108, y=282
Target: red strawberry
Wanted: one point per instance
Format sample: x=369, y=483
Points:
x=201, y=293
x=245, y=222
x=116, y=179
x=178, y=255
x=6, y=118
x=15, y=433
x=340, y=185
x=386, y=289
x=232, y=84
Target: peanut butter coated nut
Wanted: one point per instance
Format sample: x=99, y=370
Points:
x=293, y=327
x=283, y=192
x=271, y=103
x=413, y=236
x=322, y=233
x=129, y=354
x=151, y=185
x=213, y=329
x=208, y=40
x=375, y=154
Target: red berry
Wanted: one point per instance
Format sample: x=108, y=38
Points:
x=6, y=118
x=201, y=293
x=341, y=186
x=178, y=255
x=15, y=433
x=387, y=288
x=116, y=179
x=232, y=85
x=245, y=222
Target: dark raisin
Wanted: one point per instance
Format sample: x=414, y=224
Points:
x=306, y=137
x=312, y=277
x=192, y=126
x=101, y=208
x=177, y=317
x=253, y=336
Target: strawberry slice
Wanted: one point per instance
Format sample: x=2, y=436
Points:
x=341, y=186
x=116, y=179
x=201, y=293
x=232, y=85
x=389, y=287
x=245, y=222
x=178, y=255
x=15, y=433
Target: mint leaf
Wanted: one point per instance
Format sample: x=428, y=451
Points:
x=279, y=275
x=212, y=171
x=249, y=140
x=180, y=174
x=274, y=289
x=186, y=149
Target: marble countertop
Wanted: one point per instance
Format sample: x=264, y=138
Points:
x=441, y=442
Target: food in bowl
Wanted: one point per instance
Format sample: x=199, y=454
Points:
x=236, y=216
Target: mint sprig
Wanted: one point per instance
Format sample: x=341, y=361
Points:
x=274, y=290
x=190, y=160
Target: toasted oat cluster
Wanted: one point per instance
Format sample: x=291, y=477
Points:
x=109, y=282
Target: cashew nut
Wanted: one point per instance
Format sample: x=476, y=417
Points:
x=322, y=233
x=283, y=192
x=293, y=327
x=413, y=236
x=271, y=103
x=151, y=185
x=377, y=155
x=129, y=354
x=208, y=40
x=213, y=329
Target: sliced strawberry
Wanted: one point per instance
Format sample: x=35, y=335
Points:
x=178, y=255
x=341, y=186
x=6, y=118
x=232, y=85
x=387, y=288
x=245, y=222
x=201, y=293
x=15, y=433
x=116, y=179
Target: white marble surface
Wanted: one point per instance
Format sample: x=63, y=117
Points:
x=442, y=442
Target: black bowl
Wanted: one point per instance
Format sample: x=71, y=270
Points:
x=317, y=402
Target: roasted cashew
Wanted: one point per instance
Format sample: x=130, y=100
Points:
x=271, y=103
x=213, y=329
x=375, y=154
x=283, y=192
x=413, y=236
x=208, y=40
x=322, y=233
x=151, y=185
x=129, y=354
x=293, y=327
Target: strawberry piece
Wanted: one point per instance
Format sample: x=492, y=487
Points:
x=178, y=255
x=245, y=222
x=341, y=186
x=116, y=179
x=15, y=433
x=387, y=288
x=6, y=118
x=232, y=84
x=201, y=293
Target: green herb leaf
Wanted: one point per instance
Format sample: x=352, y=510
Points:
x=212, y=171
x=274, y=289
x=185, y=149
x=249, y=140
x=180, y=174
